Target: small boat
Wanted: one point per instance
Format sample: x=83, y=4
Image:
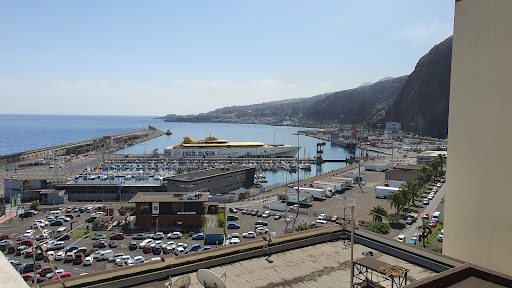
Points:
x=168, y=132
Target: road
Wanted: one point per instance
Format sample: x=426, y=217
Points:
x=431, y=208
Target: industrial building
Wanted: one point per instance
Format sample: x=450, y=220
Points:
x=476, y=223
x=169, y=211
x=105, y=192
x=426, y=157
x=393, y=130
x=400, y=175
x=217, y=181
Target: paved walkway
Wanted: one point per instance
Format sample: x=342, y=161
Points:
x=211, y=221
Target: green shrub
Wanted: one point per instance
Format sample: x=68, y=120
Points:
x=378, y=227
x=34, y=205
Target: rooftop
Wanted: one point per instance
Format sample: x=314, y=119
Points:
x=401, y=174
x=433, y=153
x=203, y=174
x=169, y=197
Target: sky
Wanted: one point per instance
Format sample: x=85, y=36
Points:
x=190, y=57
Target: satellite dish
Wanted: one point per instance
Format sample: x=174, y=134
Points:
x=209, y=279
x=182, y=282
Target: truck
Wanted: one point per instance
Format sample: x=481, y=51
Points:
x=354, y=176
x=378, y=167
x=315, y=192
x=349, y=182
x=292, y=197
x=316, y=184
x=384, y=191
x=339, y=186
x=277, y=207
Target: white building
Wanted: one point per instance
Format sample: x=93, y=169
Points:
x=426, y=157
x=393, y=130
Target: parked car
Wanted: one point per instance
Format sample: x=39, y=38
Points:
x=52, y=274
x=63, y=275
x=123, y=261
x=60, y=256
x=254, y=212
x=112, y=244
x=99, y=237
x=266, y=214
x=430, y=196
x=99, y=244
x=115, y=257
x=174, y=235
x=136, y=260
x=57, y=223
x=401, y=238
x=426, y=215
x=232, y=210
x=334, y=218
x=179, y=251
x=157, y=236
x=426, y=201
x=28, y=267
x=117, y=236
x=44, y=271
x=88, y=261
x=147, y=249
x=71, y=248
x=432, y=224
x=260, y=223
x=145, y=242
x=205, y=248
x=277, y=216
x=132, y=246
x=78, y=259
x=232, y=218
x=4, y=237
x=198, y=236
x=232, y=241
x=63, y=236
x=139, y=236
x=322, y=217
x=233, y=225
x=261, y=230
x=193, y=248
x=250, y=234
x=56, y=246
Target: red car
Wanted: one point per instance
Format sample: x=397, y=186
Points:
x=63, y=275
x=29, y=276
x=147, y=249
x=334, y=218
x=426, y=215
x=44, y=271
x=117, y=236
x=26, y=242
x=432, y=224
x=4, y=237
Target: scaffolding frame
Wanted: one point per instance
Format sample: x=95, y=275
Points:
x=372, y=272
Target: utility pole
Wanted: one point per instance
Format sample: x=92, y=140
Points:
x=352, y=246
x=298, y=177
x=286, y=204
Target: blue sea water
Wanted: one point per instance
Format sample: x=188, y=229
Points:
x=27, y=132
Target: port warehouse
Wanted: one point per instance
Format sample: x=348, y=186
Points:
x=183, y=210
x=116, y=141
x=145, y=273
x=218, y=180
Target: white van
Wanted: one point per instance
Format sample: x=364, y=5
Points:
x=54, y=214
x=105, y=255
x=435, y=216
x=319, y=223
x=62, y=230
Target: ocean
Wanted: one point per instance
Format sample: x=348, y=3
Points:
x=28, y=132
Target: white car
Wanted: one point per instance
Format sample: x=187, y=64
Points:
x=234, y=235
x=322, y=217
x=430, y=196
x=439, y=184
x=153, y=259
x=123, y=261
x=88, y=261
x=290, y=219
x=401, y=238
x=156, y=243
x=232, y=241
x=174, y=235
x=250, y=234
x=426, y=201
x=261, y=229
x=136, y=260
x=145, y=242
x=183, y=245
x=266, y=214
x=39, y=223
x=157, y=236
x=64, y=219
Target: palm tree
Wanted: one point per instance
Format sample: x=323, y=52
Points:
x=302, y=227
x=396, y=200
x=24, y=185
x=377, y=213
x=423, y=227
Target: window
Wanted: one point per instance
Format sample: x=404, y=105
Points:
x=145, y=208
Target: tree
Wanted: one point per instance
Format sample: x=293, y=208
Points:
x=34, y=205
x=423, y=228
x=378, y=227
x=302, y=227
x=394, y=218
x=180, y=170
x=396, y=200
x=378, y=213
x=25, y=185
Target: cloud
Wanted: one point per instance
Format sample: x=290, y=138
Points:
x=132, y=98
x=421, y=32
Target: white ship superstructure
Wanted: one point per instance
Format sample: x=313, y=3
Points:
x=213, y=147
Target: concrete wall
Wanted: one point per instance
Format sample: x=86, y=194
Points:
x=477, y=222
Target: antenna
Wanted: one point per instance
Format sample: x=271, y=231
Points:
x=182, y=282
x=209, y=279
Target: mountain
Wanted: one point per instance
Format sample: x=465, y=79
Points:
x=343, y=106
x=424, y=98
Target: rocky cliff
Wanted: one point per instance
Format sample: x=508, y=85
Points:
x=424, y=98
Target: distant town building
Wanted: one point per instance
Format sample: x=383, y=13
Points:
x=426, y=157
x=169, y=211
x=393, y=130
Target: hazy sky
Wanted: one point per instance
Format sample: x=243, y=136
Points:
x=186, y=57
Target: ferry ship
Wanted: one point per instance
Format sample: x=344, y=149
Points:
x=212, y=147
